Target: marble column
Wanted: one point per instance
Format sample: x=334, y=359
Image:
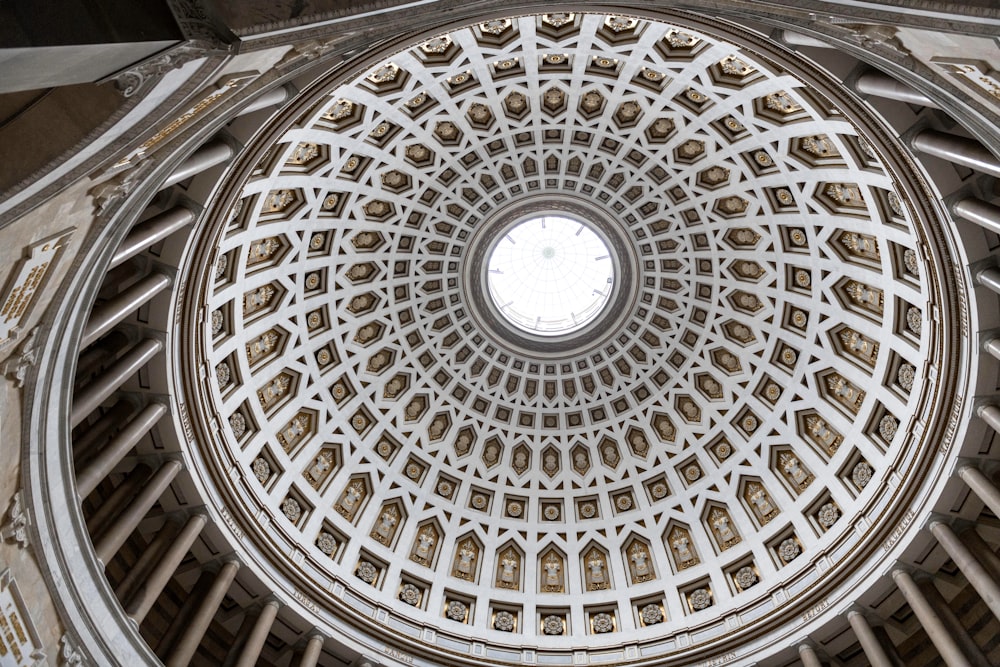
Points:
x=207, y=156
x=110, y=314
x=808, y=656
x=980, y=484
x=989, y=278
x=977, y=211
x=261, y=629
x=97, y=523
x=112, y=540
x=139, y=572
x=943, y=641
x=991, y=415
x=880, y=84
x=88, y=398
x=273, y=97
x=111, y=454
x=798, y=39
x=148, y=592
x=973, y=570
x=993, y=347
x=198, y=624
x=310, y=657
x=869, y=642
x=954, y=625
x=959, y=150
x=151, y=231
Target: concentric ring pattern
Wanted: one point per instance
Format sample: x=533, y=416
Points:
x=678, y=468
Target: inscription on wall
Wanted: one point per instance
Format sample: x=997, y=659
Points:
x=27, y=280
x=974, y=73
x=19, y=643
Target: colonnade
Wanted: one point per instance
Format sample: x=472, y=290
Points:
x=118, y=482
x=120, y=488
x=973, y=557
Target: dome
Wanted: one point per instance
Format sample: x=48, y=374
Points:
x=394, y=431
x=464, y=333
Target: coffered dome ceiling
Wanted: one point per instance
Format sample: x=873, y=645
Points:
x=730, y=429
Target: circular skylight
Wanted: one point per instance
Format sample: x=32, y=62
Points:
x=550, y=275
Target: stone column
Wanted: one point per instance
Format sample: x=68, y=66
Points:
x=113, y=417
x=880, y=84
x=973, y=570
x=261, y=629
x=138, y=573
x=798, y=39
x=88, y=398
x=207, y=156
x=993, y=347
x=112, y=540
x=980, y=484
x=120, y=445
x=954, y=625
x=931, y=622
x=101, y=353
x=989, y=278
x=108, y=315
x=310, y=657
x=150, y=231
x=808, y=656
x=148, y=592
x=273, y=97
x=982, y=551
x=869, y=642
x=198, y=624
x=991, y=415
x=982, y=213
x=112, y=505
x=960, y=150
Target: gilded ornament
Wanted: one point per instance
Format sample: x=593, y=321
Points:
x=699, y=599
x=261, y=469
x=906, y=374
x=745, y=577
x=218, y=319
x=221, y=265
x=457, y=611
x=558, y=20
x=828, y=515
x=222, y=374
x=789, y=549
x=910, y=262
x=914, y=319
x=436, y=46
x=602, y=623
x=887, y=427
x=410, y=594
x=651, y=614
x=239, y=424
x=366, y=572
x=861, y=474
x=503, y=621
x=552, y=625
x=326, y=543
x=291, y=509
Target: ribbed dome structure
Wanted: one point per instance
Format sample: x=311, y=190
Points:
x=744, y=422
